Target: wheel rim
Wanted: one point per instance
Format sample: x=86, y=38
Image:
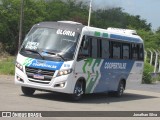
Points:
x=78, y=91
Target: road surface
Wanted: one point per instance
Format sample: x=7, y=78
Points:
x=12, y=99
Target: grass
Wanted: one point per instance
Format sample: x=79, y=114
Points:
x=7, y=65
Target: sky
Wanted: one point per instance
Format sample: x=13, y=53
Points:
x=147, y=9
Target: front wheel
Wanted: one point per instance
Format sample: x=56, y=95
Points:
x=27, y=91
x=120, y=89
x=78, y=91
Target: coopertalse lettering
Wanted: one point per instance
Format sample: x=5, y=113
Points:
x=109, y=65
x=44, y=65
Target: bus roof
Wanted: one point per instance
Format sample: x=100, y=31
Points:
x=126, y=35
x=74, y=26
x=112, y=33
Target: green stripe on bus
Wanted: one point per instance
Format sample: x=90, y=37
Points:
x=91, y=83
x=28, y=61
x=105, y=35
x=98, y=34
x=97, y=61
x=88, y=61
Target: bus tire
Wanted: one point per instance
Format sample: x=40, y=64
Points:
x=27, y=91
x=78, y=91
x=120, y=89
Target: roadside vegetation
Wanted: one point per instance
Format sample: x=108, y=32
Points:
x=148, y=76
x=7, y=65
x=148, y=69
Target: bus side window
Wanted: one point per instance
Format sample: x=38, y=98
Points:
x=126, y=51
x=105, y=48
x=116, y=47
x=141, y=53
x=94, y=47
x=84, y=49
x=134, y=52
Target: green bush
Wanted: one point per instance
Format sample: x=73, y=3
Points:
x=148, y=69
x=7, y=66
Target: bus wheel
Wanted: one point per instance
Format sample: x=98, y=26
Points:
x=27, y=91
x=120, y=89
x=78, y=91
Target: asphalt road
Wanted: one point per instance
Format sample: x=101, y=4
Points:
x=12, y=99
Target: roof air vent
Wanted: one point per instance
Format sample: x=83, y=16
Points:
x=125, y=31
x=70, y=22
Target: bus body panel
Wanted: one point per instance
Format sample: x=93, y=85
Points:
x=104, y=75
x=135, y=76
x=100, y=74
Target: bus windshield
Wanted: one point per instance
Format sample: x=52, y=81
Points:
x=51, y=42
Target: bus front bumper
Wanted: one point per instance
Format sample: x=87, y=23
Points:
x=62, y=84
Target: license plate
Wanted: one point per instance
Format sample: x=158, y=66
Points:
x=38, y=76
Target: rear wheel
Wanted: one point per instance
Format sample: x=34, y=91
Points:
x=78, y=91
x=120, y=89
x=27, y=91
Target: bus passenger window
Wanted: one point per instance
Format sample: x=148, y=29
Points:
x=134, y=52
x=125, y=51
x=116, y=50
x=105, y=49
x=94, y=48
x=141, y=53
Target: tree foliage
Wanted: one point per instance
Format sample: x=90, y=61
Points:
x=115, y=17
x=54, y=10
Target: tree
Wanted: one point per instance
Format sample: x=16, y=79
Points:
x=115, y=17
x=36, y=11
x=158, y=30
x=148, y=37
x=9, y=16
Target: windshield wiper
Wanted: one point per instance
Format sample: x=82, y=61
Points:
x=60, y=56
x=54, y=53
x=34, y=51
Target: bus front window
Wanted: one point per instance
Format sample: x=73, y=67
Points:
x=84, y=49
x=52, y=41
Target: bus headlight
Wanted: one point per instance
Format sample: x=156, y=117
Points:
x=64, y=72
x=19, y=66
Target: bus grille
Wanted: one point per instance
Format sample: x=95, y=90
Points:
x=47, y=75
